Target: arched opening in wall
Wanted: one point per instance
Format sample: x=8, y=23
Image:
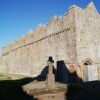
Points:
x=88, y=62
x=87, y=67
x=90, y=70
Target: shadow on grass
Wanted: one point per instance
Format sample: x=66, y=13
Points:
x=84, y=91
x=12, y=89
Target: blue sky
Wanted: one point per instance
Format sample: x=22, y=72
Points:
x=17, y=17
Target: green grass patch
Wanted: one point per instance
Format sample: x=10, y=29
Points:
x=7, y=76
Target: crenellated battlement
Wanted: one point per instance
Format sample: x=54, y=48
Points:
x=55, y=25
x=32, y=42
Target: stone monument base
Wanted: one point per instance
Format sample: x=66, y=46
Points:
x=54, y=96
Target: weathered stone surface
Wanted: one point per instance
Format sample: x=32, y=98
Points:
x=73, y=39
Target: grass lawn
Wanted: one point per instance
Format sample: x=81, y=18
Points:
x=5, y=76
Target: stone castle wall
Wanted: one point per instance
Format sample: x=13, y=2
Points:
x=88, y=33
x=28, y=55
x=73, y=38
x=87, y=25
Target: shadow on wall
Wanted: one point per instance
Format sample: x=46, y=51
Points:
x=65, y=76
x=62, y=74
x=43, y=74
